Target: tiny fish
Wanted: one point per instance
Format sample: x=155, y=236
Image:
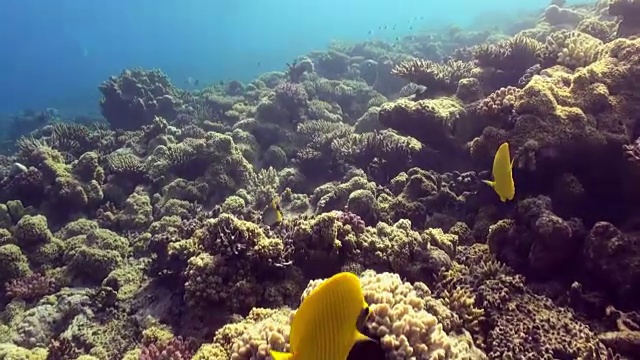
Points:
x=502, y=182
x=324, y=327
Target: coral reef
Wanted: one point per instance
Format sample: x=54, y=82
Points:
x=190, y=224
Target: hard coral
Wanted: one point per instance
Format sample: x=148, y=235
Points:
x=612, y=256
x=436, y=118
x=238, y=261
x=572, y=49
x=30, y=287
x=520, y=323
x=629, y=11
x=175, y=349
x=404, y=316
x=136, y=97
x=438, y=78
x=538, y=242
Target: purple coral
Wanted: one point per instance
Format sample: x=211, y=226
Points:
x=30, y=287
x=176, y=349
x=291, y=96
x=353, y=220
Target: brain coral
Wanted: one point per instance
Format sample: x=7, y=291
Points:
x=403, y=315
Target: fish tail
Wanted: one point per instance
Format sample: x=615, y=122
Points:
x=490, y=183
x=277, y=355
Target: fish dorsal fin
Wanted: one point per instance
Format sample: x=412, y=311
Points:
x=277, y=355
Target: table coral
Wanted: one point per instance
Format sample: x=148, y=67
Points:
x=438, y=78
x=433, y=122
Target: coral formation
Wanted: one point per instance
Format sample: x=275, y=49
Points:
x=189, y=224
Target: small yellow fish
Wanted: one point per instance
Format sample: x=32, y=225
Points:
x=324, y=327
x=502, y=182
x=272, y=215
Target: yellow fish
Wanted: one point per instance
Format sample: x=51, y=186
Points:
x=272, y=214
x=502, y=182
x=324, y=327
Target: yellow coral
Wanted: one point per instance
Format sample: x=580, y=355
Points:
x=573, y=49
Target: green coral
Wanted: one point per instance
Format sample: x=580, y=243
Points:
x=126, y=280
x=14, y=352
x=137, y=213
x=233, y=205
x=95, y=255
x=77, y=227
x=334, y=197
x=238, y=262
x=32, y=230
x=13, y=263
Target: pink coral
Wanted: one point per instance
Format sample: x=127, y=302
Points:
x=30, y=287
x=353, y=220
x=176, y=349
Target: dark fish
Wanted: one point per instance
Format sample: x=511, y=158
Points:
x=370, y=32
x=196, y=83
x=410, y=27
x=420, y=89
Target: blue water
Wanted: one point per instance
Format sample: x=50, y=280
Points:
x=54, y=53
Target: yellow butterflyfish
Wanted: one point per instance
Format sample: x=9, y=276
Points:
x=502, y=182
x=272, y=214
x=324, y=327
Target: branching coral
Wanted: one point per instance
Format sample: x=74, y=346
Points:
x=237, y=262
x=381, y=154
x=612, y=256
x=437, y=77
x=572, y=49
x=175, y=349
x=515, y=54
x=546, y=241
x=30, y=287
x=499, y=106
